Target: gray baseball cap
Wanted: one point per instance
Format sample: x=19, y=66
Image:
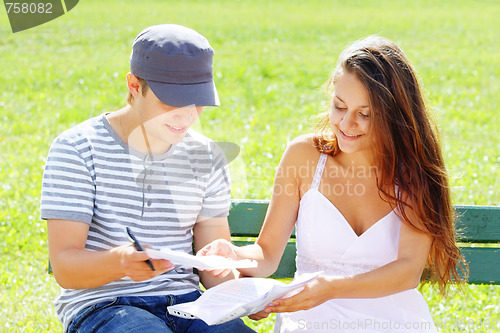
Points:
x=176, y=62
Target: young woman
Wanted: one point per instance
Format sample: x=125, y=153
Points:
x=369, y=197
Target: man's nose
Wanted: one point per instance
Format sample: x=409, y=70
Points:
x=185, y=114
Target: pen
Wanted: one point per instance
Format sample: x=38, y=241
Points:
x=138, y=246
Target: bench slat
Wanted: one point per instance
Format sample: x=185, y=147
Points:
x=286, y=268
x=246, y=217
x=483, y=264
x=478, y=224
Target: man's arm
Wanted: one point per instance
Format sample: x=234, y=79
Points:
x=74, y=267
x=206, y=230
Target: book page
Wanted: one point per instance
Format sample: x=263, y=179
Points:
x=238, y=291
x=226, y=300
x=280, y=291
x=237, y=298
x=201, y=262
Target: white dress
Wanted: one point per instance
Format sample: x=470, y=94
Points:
x=326, y=242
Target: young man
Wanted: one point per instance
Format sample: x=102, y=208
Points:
x=139, y=167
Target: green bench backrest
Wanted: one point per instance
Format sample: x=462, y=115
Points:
x=479, y=237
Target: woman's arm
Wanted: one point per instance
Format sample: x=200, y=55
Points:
x=402, y=274
x=77, y=268
x=280, y=218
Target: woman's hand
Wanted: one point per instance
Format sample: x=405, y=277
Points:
x=259, y=315
x=314, y=293
x=219, y=247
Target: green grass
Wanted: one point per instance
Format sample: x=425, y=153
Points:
x=271, y=58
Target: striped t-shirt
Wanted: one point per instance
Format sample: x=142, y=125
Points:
x=93, y=176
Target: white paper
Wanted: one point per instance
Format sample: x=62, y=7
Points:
x=201, y=262
x=238, y=298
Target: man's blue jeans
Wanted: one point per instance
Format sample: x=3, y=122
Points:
x=145, y=314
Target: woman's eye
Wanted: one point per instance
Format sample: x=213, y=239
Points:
x=364, y=115
x=337, y=107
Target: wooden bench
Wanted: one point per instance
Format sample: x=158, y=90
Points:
x=479, y=238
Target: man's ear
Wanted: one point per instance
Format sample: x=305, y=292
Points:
x=133, y=85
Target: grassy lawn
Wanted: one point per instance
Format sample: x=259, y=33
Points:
x=271, y=59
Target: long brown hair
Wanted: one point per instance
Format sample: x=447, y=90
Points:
x=406, y=144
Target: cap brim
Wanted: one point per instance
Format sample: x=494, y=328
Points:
x=180, y=95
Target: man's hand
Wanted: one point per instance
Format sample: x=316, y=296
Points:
x=133, y=263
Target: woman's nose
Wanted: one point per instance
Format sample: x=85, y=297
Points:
x=348, y=121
